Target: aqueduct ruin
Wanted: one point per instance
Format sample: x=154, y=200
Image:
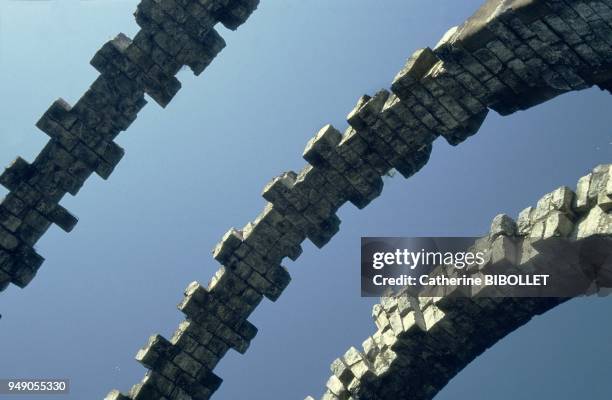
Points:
x=511, y=55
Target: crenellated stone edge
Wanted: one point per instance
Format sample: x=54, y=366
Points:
x=421, y=343
x=173, y=34
x=510, y=56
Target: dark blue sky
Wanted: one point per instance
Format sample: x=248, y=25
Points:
x=197, y=168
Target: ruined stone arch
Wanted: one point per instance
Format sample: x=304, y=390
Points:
x=511, y=55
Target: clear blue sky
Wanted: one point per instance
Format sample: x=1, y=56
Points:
x=197, y=168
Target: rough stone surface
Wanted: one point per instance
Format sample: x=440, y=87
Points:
x=422, y=343
x=509, y=56
x=173, y=33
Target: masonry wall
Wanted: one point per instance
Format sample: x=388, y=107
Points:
x=421, y=343
x=509, y=56
x=173, y=34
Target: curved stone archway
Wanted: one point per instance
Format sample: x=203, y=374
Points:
x=511, y=55
x=173, y=34
x=422, y=343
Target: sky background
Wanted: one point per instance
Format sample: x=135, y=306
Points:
x=197, y=168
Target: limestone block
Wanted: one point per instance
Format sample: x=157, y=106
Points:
x=322, y=233
x=415, y=68
x=328, y=395
x=353, y=117
x=187, y=363
x=198, y=56
x=111, y=61
x=116, y=395
x=37, y=221
x=467, y=129
x=191, y=329
x=380, y=152
x=382, y=321
x=524, y=220
x=16, y=173
x=57, y=132
x=359, y=369
x=395, y=322
x=455, y=89
x=370, y=348
x=389, y=304
x=604, y=201
x=365, y=180
x=384, y=361
x=503, y=254
x=597, y=221
x=582, y=190
x=451, y=104
x=225, y=248
x=281, y=188
x=236, y=13
x=143, y=391
x=472, y=84
x=182, y=339
x=368, y=114
x=397, y=115
x=206, y=357
x=301, y=224
x=276, y=220
x=558, y=225
x=225, y=284
x=322, y=146
x=8, y=241
x=335, y=386
x=335, y=192
x=22, y=276
x=213, y=324
x=423, y=115
x=159, y=383
x=114, y=101
x=8, y=220
x=489, y=59
x=342, y=371
x=421, y=91
x=156, y=352
x=260, y=236
x=262, y=285
x=502, y=225
x=599, y=182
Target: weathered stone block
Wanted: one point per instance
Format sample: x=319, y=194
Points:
x=558, y=225
x=161, y=384
x=57, y=214
x=582, y=190
x=116, y=395
x=16, y=173
x=144, y=391
x=187, y=363
x=230, y=242
x=322, y=146
x=9, y=221
x=416, y=67
x=236, y=12
x=8, y=241
x=156, y=352
x=597, y=221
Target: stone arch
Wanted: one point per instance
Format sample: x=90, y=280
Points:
x=509, y=56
